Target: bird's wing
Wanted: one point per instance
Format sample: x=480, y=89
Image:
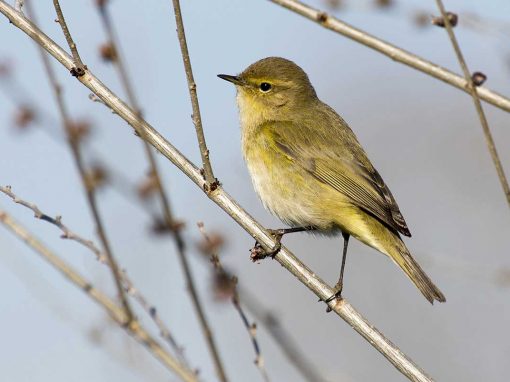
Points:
x=339, y=166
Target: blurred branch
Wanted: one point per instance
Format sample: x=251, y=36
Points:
x=500, y=28
x=476, y=99
x=165, y=202
x=89, y=244
x=115, y=312
x=287, y=259
x=152, y=311
x=282, y=337
x=210, y=185
x=393, y=52
x=229, y=282
x=211, y=182
x=18, y=5
x=74, y=143
x=29, y=112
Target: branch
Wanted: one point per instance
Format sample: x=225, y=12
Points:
x=56, y=221
x=282, y=337
x=476, y=99
x=114, y=311
x=224, y=282
x=252, y=331
x=90, y=245
x=165, y=202
x=152, y=311
x=290, y=262
x=79, y=68
x=211, y=182
x=30, y=112
x=74, y=144
x=393, y=52
x=231, y=281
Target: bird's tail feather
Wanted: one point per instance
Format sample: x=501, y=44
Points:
x=401, y=256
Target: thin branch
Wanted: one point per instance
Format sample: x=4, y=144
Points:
x=252, y=331
x=211, y=182
x=115, y=312
x=287, y=259
x=232, y=280
x=79, y=68
x=282, y=338
x=392, y=51
x=279, y=333
x=74, y=144
x=56, y=221
x=476, y=99
x=152, y=311
x=90, y=245
x=165, y=202
x=14, y=91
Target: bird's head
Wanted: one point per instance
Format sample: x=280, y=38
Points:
x=272, y=89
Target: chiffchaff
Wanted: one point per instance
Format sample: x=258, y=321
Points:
x=309, y=169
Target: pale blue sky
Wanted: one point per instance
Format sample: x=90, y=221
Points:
x=422, y=135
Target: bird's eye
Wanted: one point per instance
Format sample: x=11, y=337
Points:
x=265, y=87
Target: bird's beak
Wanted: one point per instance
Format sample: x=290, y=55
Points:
x=234, y=79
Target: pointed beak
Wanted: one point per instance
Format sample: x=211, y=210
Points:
x=234, y=79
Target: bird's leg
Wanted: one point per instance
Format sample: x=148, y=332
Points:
x=340, y=283
x=259, y=253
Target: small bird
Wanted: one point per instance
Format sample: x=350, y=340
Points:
x=309, y=169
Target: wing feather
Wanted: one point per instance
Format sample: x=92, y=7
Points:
x=338, y=167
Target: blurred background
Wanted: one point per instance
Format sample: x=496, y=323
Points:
x=423, y=136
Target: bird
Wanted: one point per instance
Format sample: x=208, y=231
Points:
x=309, y=169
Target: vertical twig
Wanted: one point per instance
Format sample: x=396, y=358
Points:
x=252, y=330
x=282, y=337
x=74, y=144
x=478, y=105
x=79, y=68
x=116, y=313
x=232, y=281
x=211, y=182
x=165, y=202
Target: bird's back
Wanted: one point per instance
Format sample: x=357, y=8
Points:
x=326, y=146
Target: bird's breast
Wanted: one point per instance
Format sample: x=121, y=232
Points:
x=285, y=188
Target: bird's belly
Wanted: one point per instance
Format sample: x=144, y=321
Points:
x=288, y=191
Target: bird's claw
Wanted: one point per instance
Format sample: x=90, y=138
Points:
x=259, y=253
x=336, y=296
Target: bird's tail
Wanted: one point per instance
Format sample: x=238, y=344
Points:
x=401, y=256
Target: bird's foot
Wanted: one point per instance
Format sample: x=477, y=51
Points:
x=337, y=295
x=259, y=253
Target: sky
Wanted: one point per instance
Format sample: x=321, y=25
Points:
x=422, y=135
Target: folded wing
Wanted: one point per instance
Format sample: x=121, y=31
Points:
x=344, y=167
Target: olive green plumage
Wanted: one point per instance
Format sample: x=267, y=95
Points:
x=309, y=169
